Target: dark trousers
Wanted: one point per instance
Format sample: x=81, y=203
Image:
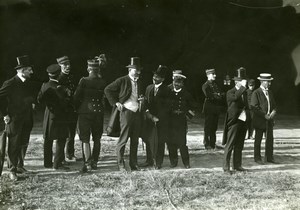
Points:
x=210, y=129
x=70, y=150
x=130, y=123
x=162, y=138
x=235, y=142
x=59, y=153
x=91, y=124
x=269, y=142
x=173, y=154
x=250, y=125
x=18, y=133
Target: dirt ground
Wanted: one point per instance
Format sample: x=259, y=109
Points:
x=286, y=150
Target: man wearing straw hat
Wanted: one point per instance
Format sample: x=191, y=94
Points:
x=264, y=109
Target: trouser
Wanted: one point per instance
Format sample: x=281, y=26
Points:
x=235, y=142
x=70, y=150
x=210, y=129
x=59, y=153
x=268, y=143
x=250, y=127
x=173, y=154
x=18, y=133
x=130, y=123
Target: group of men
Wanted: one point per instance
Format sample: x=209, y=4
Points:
x=246, y=109
x=157, y=114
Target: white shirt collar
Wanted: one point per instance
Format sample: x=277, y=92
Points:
x=54, y=80
x=133, y=79
x=21, y=77
x=237, y=87
x=157, y=86
x=177, y=91
x=263, y=88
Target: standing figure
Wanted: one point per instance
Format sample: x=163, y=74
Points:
x=251, y=86
x=235, y=122
x=157, y=115
x=125, y=93
x=181, y=106
x=212, y=108
x=89, y=98
x=264, y=110
x=17, y=103
x=55, y=125
x=66, y=79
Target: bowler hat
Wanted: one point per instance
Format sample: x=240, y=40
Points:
x=53, y=69
x=210, y=71
x=161, y=71
x=265, y=77
x=23, y=61
x=93, y=63
x=63, y=60
x=135, y=63
x=178, y=73
x=240, y=74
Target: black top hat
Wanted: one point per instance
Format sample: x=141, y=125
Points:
x=53, y=69
x=161, y=71
x=240, y=74
x=135, y=63
x=23, y=61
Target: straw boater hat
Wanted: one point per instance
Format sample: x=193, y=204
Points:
x=23, y=61
x=63, y=60
x=210, y=71
x=135, y=63
x=240, y=74
x=265, y=77
x=178, y=74
x=161, y=71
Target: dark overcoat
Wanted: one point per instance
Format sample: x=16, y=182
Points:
x=55, y=117
x=214, y=98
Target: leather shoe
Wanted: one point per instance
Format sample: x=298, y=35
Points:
x=227, y=171
x=146, y=164
x=272, y=161
x=13, y=176
x=21, y=170
x=240, y=169
x=187, y=166
x=135, y=168
x=259, y=162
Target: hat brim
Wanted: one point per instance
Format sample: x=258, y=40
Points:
x=239, y=78
x=23, y=66
x=264, y=79
x=179, y=75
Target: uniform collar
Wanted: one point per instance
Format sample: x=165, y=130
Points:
x=23, y=79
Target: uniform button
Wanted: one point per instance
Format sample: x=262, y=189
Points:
x=95, y=110
x=93, y=99
x=93, y=104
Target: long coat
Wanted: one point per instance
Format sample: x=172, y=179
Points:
x=55, y=122
x=236, y=104
x=259, y=106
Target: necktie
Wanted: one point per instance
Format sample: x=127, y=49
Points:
x=268, y=99
x=155, y=91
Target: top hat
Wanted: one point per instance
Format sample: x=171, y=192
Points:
x=135, y=63
x=53, y=69
x=63, y=60
x=93, y=63
x=23, y=61
x=210, y=71
x=265, y=77
x=240, y=74
x=251, y=82
x=178, y=73
x=161, y=71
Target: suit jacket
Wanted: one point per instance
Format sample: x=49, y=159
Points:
x=120, y=90
x=237, y=102
x=55, y=117
x=89, y=95
x=16, y=97
x=259, y=106
x=214, y=98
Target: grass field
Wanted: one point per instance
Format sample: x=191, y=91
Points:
x=204, y=186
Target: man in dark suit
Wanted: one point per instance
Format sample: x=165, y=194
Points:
x=157, y=115
x=66, y=79
x=55, y=122
x=235, y=122
x=212, y=108
x=89, y=98
x=251, y=86
x=17, y=103
x=264, y=108
x=125, y=93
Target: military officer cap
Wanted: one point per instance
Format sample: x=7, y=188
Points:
x=93, y=64
x=63, y=60
x=178, y=74
x=53, y=69
x=210, y=71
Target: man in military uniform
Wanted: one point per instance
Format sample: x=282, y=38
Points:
x=125, y=93
x=157, y=116
x=66, y=79
x=181, y=106
x=251, y=86
x=212, y=108
x=55, y=123
x=89, y=98
x=17, y=103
